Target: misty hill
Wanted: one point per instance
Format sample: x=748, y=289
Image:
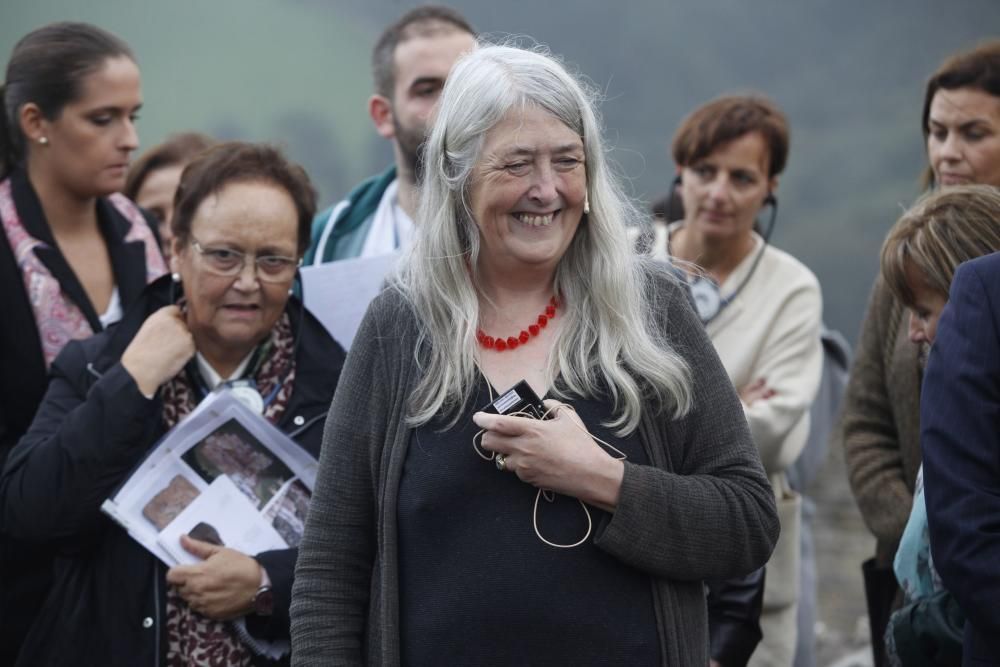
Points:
x=849, y=75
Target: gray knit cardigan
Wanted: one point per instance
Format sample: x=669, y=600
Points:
x=702, y=509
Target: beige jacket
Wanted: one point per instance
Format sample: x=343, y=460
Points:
x=771, y=330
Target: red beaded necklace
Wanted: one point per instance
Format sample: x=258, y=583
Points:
x=511, y=342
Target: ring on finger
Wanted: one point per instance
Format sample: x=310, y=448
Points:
x=501, y=462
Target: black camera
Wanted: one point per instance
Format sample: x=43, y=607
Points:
x=520, y=399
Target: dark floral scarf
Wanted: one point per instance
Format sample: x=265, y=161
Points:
x=193, y=640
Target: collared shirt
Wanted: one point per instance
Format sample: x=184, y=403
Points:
x=213, y=379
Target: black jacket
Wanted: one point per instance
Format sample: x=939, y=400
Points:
x=107, y=605
x=734, y=608
x=24, y=571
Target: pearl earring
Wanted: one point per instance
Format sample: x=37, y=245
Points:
x=176, y=277
x=44, y=141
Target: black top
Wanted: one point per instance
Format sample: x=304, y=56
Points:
x=24, y=568
x=477, y=585
x=107, y=605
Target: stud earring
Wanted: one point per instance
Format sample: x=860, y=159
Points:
x=586, y=205
x=176, y=277
x=44, y=141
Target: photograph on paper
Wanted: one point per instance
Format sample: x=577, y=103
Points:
x=232, y=518
x=221, y=455
x=232, y=451
x=287, y=512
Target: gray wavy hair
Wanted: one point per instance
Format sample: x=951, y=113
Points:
x=607, y=345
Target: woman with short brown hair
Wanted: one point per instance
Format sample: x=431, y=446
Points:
x=224, y=317
x=762, y=310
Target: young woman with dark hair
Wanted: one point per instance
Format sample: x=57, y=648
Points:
x=73, y=254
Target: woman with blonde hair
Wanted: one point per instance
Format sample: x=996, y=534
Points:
x=449, y=527
x=919, y=259
x=926, y=245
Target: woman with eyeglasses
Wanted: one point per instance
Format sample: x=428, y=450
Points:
x=73, y=253
x=761, y=307
x=224, y=315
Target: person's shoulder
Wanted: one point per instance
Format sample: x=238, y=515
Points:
x=315, y=336
x=391, y=301
x=392, y=311
x=371, y=185
x=666, y=295
x=346, y=217
x=979, y=277
x=372, y=188
x=323, y=216
x=789, y=265
x=81, y=357
x=661, y=281
x=987, y=267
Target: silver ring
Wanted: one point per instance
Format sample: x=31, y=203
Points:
x=501, y=462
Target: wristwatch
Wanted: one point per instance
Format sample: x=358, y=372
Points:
x=263, y=601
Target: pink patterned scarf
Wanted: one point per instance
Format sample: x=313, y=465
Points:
x=60, y=320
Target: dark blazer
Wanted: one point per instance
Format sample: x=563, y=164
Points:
x=107, y=605
x=24, y=569
x=960, y=436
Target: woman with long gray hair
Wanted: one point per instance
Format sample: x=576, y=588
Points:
x=460, y=519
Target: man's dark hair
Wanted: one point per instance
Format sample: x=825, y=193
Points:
x=422, y=21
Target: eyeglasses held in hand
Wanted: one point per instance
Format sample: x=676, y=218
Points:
x=228, y=262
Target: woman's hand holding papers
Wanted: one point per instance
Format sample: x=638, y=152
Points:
x=222, y=586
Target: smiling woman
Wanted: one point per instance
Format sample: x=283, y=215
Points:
x=73, y=255
x=441, y=533
x=527, y=194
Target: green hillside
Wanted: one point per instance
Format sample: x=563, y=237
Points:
x=849, y=74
